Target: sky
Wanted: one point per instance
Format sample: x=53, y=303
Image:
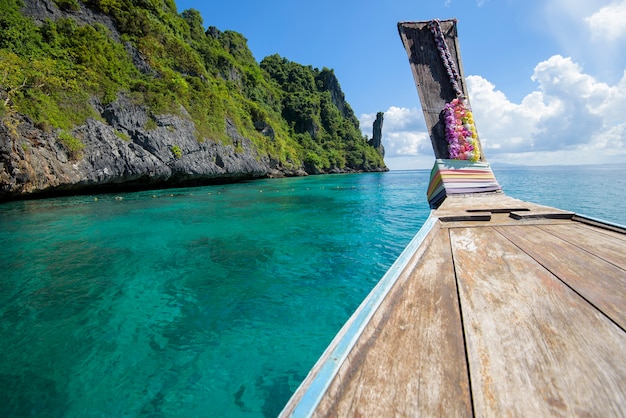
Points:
x=546, y=78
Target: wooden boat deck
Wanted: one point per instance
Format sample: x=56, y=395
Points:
x=506, y=309
x=497, y=307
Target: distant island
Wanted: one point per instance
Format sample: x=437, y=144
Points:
x=102, y=95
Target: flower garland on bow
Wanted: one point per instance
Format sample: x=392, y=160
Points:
x=461, y=131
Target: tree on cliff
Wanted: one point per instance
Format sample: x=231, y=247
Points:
x=52, y=67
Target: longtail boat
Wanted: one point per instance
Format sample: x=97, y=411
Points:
x=497, y=307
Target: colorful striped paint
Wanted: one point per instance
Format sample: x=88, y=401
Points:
x=459, y=177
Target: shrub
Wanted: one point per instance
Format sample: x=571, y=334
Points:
x=67, y=5
x=73, y=145
x=121, y=135
x=177, y=151
x=167, y=63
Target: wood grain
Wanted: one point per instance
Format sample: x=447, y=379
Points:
x=431, y=78
x=602, y=227
x=535, y=347
x=600, y=282
x=608, y=245
x=529, y=314
x=410, y=360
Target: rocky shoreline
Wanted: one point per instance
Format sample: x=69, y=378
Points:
x=126, y=146
x=120, y=153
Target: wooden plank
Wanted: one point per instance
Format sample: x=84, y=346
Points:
x=610, y=230
x=609, y=247
x=600, y=282
x=557, y=214
x=430, y=75
x=489, y=202
x=467, y=216
x=503, y=219
x=499, y=210
x=535, y=348
x=315, y=385
x=410, y=360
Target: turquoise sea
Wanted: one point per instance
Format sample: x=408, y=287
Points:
x=212, y=301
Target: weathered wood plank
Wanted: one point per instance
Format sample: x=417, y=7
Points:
x=607, y=246
x=596, y=227
x=555, y=214
x=315, y=385
x=430, y=75
x=410, y=360
x=597, y=280
x=602, y=226
x=455, y=205
x=467, y=216
x=535, y=347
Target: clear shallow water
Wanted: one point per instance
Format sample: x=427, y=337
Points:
x=211, y=301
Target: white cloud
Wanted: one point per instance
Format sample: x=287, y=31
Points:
x=404, y=131
x=502, y=125
x=590, y=32
x=406, y=141
x=404, y=119
x=608, y=22
x=571, y=118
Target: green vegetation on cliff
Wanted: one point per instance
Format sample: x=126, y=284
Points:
x=53, y=70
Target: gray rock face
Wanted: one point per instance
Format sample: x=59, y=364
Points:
x=377, y=134
x=122, y=152
x=127, y=146
x=40, y=10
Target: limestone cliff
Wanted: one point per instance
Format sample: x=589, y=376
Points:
x=125, y=144
x=377, y=135
x=120, y=153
